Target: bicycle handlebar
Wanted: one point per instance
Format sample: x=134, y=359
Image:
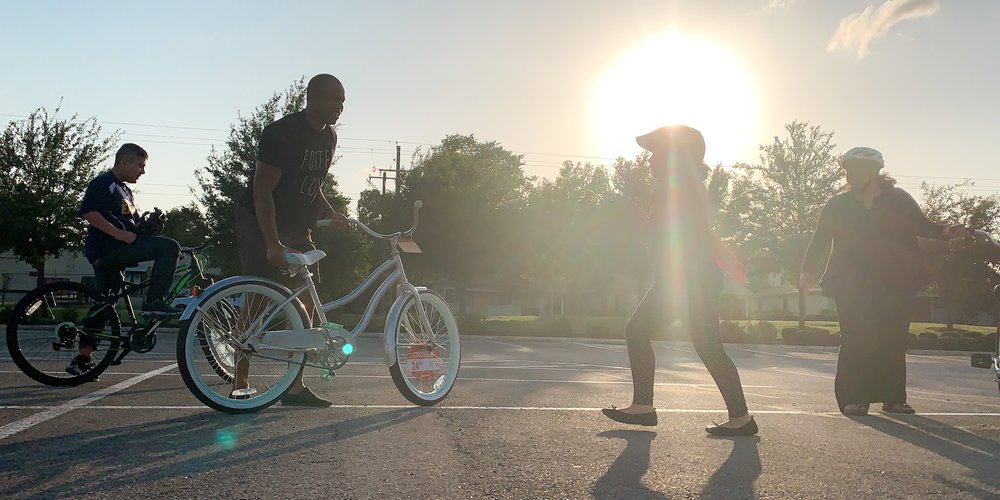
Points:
x=409, y=232
x=212, y=239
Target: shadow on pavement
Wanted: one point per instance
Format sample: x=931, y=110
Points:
x=736, y=476
x=624, y=477
x=977, y=454
x=94, y=461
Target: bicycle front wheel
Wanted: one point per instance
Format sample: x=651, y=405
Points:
x=45, y=332
x=216, y=369
x=426, y=361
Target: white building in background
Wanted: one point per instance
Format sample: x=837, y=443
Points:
x=18, y=277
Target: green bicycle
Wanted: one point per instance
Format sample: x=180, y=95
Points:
x=43, y=335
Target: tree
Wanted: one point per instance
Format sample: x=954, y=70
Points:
x=775, y=204
x=47, y=163
x=473, y=193
x=187, y=225
x=228, y=171
x=567, y=250
x=964, y=271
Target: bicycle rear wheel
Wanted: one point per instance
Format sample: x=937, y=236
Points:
x=43, y=334
x=210, y=341
x=426, y=362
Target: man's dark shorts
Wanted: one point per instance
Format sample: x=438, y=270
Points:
x=253, y=250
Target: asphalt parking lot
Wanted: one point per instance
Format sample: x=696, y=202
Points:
x=523, y=421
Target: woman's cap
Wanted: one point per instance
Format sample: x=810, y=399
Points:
x=674, y=138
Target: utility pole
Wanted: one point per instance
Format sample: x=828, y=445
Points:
x=397, y=168
x=384, y=177
x=397, y=171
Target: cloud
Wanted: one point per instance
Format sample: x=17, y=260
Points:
x=857, y=31
x=774, y=4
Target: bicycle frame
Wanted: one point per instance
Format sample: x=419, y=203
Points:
x=393, y=267
x=191, y=271
x=394, y=273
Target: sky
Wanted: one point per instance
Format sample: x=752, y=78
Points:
x=552, y=80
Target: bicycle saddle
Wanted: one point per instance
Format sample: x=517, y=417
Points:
x=305, y=259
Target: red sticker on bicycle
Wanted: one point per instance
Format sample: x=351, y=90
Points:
x=423, y=364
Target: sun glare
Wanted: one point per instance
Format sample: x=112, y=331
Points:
x=676, y=80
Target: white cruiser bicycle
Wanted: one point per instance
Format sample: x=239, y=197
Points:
x=261, y=338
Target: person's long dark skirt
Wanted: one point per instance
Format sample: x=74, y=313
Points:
x=702, y=321
x=871, y=367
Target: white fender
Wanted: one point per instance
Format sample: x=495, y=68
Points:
x=391, y=320
x=192, y=305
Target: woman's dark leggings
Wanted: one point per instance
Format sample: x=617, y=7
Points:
x=703, y=322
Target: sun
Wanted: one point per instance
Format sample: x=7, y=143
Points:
x=676, y=79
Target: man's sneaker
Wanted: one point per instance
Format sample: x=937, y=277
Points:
x=159, y=308
x=81, y=364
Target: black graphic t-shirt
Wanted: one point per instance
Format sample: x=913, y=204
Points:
x=304, y=157
x=112, y=199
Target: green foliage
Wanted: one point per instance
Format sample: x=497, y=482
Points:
x=229, y=171
x=775, y=204
x=473, y=193
x=187, y=225
x=567, y=248
x=965, y=270
x=47, y=162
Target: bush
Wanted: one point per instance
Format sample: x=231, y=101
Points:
x=928, y=340
x=971, y=341
x=597, y=330
x=774, y=316
x=470, y=323
x=763, y=332
x=731, y=333
x=990, y=342
x=950, y=341
x=791, y=336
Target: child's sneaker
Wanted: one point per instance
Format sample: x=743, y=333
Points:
x=81, y=364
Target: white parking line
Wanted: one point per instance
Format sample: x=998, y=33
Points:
x=599, y=347
x=505, y=408
x=773, y=369
x=518, y=347
x=80, y=402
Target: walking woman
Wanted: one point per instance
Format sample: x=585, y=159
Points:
x=690, y=260
x=873, y=273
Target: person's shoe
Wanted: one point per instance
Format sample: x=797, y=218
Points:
x=159, y=308
x=747, y=429
x=81, y=364
x=648, y=419
x=304, y=398
x=898, y=408
x=856, y=409
x=246, y=393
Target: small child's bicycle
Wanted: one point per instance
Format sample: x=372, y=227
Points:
x=262, y=331
x=43, y=335
x=991, y=359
